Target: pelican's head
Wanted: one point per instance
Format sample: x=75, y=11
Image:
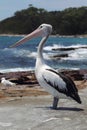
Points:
x=43, y=30
x=46, y=29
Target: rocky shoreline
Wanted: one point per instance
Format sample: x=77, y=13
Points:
x=27, y=85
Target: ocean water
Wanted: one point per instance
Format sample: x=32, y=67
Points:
x=23, y=58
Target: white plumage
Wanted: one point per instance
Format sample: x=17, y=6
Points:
x=46, y=77
x=54, y=82
x=7, y=82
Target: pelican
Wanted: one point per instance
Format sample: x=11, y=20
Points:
x=55, y=83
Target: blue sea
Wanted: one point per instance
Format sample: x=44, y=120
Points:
x=23, y=58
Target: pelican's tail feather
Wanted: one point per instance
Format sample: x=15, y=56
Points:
x=76, y=97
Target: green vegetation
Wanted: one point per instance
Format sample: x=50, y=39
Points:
x=70, y=21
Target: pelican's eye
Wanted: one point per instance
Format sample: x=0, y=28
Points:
x=41, y=26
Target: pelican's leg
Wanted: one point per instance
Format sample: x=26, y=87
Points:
x=55, y=102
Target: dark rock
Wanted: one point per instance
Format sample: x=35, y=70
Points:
x=75, y=74
x=68, y=49
x=28, y=77
x=64, y=49
x=59, y=56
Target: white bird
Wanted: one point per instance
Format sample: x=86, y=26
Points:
x=7, y=82
x=54, y=82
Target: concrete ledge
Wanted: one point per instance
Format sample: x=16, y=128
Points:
x=35, y=113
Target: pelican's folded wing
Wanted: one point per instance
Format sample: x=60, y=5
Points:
x=60, y=82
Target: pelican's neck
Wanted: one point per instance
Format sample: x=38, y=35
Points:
x=40, y=48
